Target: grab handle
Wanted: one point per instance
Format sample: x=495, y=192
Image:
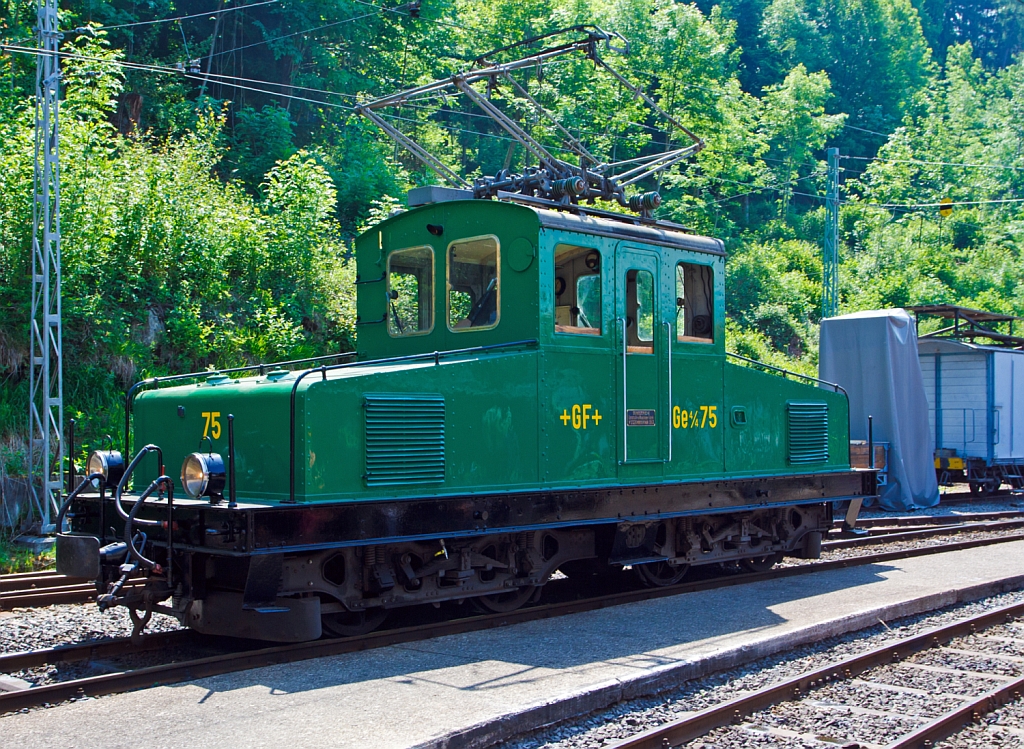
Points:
x=668, y=411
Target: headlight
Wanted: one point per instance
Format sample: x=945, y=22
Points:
x=107, y=463
x=202, y=475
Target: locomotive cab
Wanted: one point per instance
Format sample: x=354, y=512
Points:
x=436, y=278
x=447, y=276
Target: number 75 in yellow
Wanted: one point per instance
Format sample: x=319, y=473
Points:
x=212, y=428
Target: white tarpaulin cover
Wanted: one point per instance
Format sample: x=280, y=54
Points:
x=873, y=355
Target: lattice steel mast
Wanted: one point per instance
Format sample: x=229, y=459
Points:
x=830, y=256
x=46, y=383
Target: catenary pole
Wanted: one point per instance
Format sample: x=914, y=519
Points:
x=830, y=255
x=46, y=382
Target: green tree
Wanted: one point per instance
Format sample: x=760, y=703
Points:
x=795, y=126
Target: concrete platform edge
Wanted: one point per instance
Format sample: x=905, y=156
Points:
x=532, y=718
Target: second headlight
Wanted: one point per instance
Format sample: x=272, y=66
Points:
x=203, y=475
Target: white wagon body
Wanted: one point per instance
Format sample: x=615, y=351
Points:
x=975, y=399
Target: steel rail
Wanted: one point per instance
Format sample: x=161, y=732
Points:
x=77, y=593
x=733, y=711
x=902, y=535
x=238, y=661
x=886, y=530
x=968, y=498
x=28, y=597
x=23, y=575
x=905, y=520
x=955, y=720
x=83, y=651
x=33, y=580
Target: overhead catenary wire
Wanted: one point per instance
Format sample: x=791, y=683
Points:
x=778, y=186
x=166, y=70
x=300, y=33
x=912, y=206
x=224, y=79
x=923, y=162
x=88, y=29
x=230, y=81
x=865, y=130
x=241, y=83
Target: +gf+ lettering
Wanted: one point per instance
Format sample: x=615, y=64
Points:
x=580, y=416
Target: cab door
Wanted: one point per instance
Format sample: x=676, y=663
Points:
x=700, y=419
x=641, y=339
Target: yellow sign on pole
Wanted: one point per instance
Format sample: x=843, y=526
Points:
x=946, y=207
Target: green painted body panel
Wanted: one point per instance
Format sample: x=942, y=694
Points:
x=763, y=441
x=260, y=408
x=561, y=412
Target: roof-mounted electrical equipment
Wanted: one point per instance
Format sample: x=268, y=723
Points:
x=550, y=178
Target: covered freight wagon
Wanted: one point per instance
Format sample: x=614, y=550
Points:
x=975, y=399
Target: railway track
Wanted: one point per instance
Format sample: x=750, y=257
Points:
x=937, y=700
x=897, y=533
x=966, y=497
x=33, y=589
x=35, y=581
x=235, y=660
x=931, y=520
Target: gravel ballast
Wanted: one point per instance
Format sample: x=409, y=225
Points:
x=48, y=626
x=833, y=720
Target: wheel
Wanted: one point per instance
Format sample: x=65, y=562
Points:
x=985, y=487
x=502, y=603
x=353, y=623
x=761, y=564
x=661, y=574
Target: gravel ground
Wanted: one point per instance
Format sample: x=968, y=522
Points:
x=989, y=504
x=831, y=722
x=34, y=628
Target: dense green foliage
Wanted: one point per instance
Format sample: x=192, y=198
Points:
x=14, y=558
x=207, y=217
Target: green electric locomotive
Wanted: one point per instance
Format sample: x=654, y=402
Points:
x=535, y=389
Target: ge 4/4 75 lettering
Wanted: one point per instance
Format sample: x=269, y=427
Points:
x=703, y=417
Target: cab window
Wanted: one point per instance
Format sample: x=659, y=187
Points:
x=695, y=299
x=640, y=311
x=474, y=298
x=410, y=291
x=577, y=290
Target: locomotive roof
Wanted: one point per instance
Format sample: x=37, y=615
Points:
x=953, y=345
x=582, y=219
x=587, y=224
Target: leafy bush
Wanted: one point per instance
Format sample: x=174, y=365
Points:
x=166, y=267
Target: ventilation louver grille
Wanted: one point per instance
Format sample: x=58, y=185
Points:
x=404, y=439
x=808, y=433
